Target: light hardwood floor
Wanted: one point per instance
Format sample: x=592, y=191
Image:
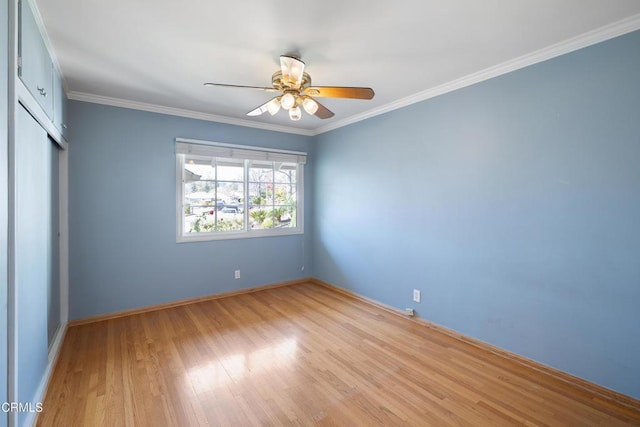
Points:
x=299, y=355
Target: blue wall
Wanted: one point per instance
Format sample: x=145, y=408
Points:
x=122, y=215
x=513, y=205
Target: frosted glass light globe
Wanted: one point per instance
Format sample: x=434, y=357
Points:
x=287, y=101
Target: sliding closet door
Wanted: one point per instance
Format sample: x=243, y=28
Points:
x=4, y=206
x=33, y=254
x=53, y=288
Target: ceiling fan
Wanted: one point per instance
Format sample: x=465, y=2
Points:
x=296, y=90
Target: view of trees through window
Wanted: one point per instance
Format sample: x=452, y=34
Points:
x=233, y=194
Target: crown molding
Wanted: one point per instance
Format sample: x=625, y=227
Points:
x=153, y=108
x=598, y=35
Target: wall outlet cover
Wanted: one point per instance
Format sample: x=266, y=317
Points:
x=416, y=295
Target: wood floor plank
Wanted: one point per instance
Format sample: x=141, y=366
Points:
x=300, y=355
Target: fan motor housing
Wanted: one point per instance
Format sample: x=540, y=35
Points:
x=276, y=80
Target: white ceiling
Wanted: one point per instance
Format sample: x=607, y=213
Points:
x=155, y=54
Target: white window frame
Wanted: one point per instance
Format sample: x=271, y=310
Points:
x=247, y=153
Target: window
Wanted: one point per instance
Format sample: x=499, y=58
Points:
x=229, y=191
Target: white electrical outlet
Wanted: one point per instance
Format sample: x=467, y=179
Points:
x=237, y=274
x=416, y=295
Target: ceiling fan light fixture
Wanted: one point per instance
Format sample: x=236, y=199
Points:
x=296, y=92
x=295, y=114
x=287, y=101
x=292, y=70
x=273, y=106
x=310, y=106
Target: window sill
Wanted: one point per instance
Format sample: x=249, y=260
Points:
x=230, y=235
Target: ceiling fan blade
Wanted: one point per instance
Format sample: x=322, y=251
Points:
x=265, y=107
x=323, y=112
x=292, y=70
x=340, y=92
x=268, y=89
